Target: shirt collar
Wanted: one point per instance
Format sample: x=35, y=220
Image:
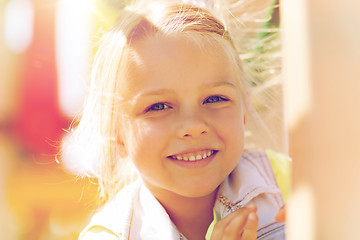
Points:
x=155, y=222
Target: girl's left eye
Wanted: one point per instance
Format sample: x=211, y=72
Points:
x=215, y=99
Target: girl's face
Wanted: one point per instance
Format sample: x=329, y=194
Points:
x=185, y=118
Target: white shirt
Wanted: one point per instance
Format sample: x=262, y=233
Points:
x=136, y=214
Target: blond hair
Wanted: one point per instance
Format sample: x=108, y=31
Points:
x=100, y=127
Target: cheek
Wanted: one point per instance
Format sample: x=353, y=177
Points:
x=230, y=128
x=148, y=138
x=231, y=123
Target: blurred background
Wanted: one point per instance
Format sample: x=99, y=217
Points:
x=46, y=48
x=45, y=51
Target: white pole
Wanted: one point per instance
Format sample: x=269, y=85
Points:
x=322, y=97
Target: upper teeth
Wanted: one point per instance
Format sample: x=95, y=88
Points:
x=193, y=156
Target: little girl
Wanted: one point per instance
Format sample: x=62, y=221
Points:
x=168, y=105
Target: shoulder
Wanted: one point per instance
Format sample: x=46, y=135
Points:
x=252, y=176
x=272, y=165
x=259, y=162
x=256, y=157
x=254, y=181
x=112, y=220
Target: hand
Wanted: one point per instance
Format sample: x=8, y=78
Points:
x=240, y=224
x=281, y=215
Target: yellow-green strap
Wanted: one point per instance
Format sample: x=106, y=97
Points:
x=281, y=165
x=211, y=227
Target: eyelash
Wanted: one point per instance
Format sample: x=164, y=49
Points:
x=155, y=106
x=218, y=99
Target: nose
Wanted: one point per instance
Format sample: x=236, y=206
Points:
x=192, y=126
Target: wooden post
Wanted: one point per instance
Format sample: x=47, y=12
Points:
x=322, y=98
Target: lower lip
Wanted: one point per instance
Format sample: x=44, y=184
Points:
x=194, y=164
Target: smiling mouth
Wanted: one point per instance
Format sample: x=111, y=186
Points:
x=196, y=156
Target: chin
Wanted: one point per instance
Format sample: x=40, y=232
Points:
x=198, y=192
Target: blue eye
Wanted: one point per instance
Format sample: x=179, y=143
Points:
x=215, y=99
x=158, y=107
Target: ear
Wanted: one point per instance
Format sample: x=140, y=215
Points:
x=121, y=146
x=245, y=117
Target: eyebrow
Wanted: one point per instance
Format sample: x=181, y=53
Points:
x=155, y=93
x=219, y=84
x=165, y=91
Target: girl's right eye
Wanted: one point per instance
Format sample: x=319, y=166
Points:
x=158, y=107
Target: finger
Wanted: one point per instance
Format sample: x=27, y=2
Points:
x=281, y=215
x=236, y=227
x=252, y=207
x=231, y=226
x=250, y=229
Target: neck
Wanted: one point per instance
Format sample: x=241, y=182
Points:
x=192, y=216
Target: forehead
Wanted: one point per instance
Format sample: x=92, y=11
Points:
x=176, y=57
